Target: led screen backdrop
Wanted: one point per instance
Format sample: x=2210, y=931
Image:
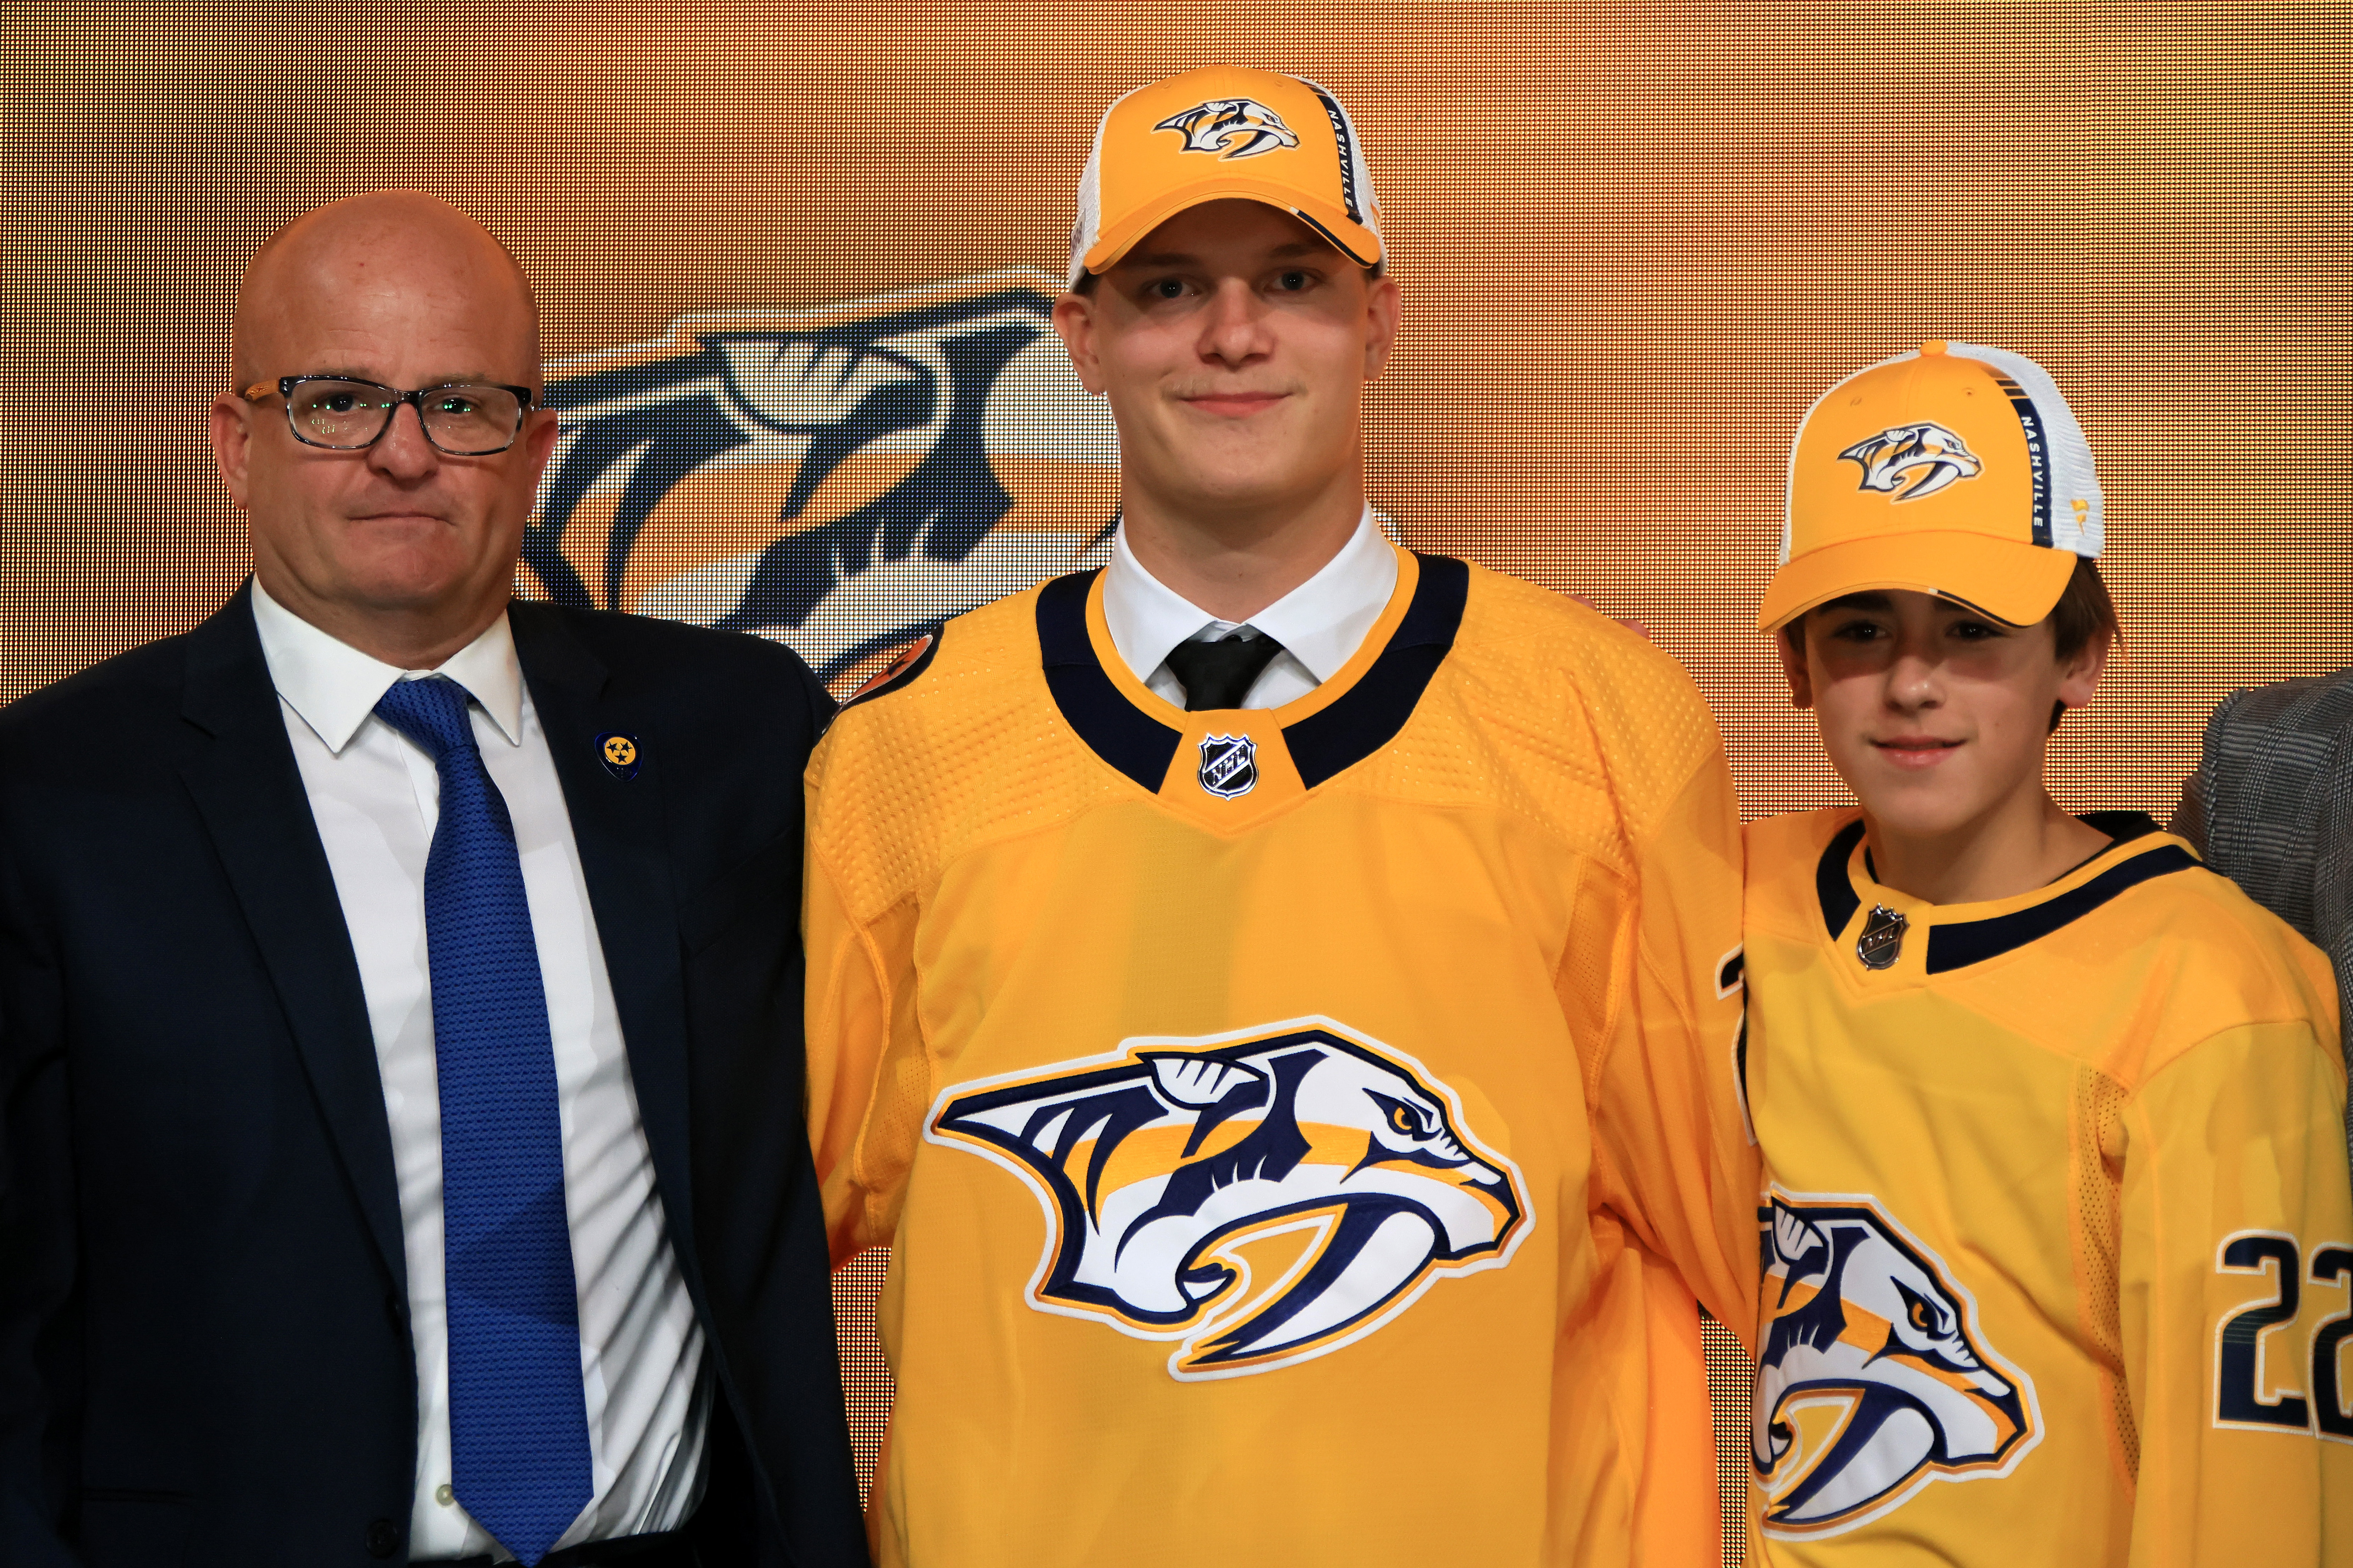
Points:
x=794, y=261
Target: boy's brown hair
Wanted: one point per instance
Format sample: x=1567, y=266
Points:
x=2085, y=611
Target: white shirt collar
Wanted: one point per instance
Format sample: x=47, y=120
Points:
x=1322, y=622
x=335, y=686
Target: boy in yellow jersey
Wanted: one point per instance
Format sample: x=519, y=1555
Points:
x=2055, y=1230
x=1278, y=995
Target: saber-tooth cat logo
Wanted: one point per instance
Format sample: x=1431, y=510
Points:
x=842, y=478
x=1874, y=1379
x=1164, y=1165
x=1230, y=128
x=1909, y=461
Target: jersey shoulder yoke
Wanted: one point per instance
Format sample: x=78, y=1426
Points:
x=1542, y=668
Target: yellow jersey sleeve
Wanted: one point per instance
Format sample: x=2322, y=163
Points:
x=868, y=1079
x=1677, y=1163
x=2234, y=1261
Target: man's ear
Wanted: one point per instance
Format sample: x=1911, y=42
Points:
x=1793, y=668
x=1383, y=311
x=230, y=425
x=540, y=433
x=1075, y=320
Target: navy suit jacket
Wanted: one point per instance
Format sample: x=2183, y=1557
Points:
x=205, y=1353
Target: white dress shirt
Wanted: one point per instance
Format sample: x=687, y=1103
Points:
x=375, y=796
x=1320, y=623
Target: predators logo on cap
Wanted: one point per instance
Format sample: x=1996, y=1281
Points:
x=1231, y=127
x=842, y=478
x=1912, y=460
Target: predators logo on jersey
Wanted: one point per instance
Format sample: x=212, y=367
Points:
x=842, y=479
x=1909, y=461
x=1157, y=1163
x=1873, y=1380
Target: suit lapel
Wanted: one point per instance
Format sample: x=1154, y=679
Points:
x=616, y=823
x=250, y=795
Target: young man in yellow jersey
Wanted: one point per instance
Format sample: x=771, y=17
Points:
x=2056, y=1230
x=1278, y=994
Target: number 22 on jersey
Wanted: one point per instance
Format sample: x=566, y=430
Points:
x=2259, y=1357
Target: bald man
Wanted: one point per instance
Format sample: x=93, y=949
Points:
x=401, y=1150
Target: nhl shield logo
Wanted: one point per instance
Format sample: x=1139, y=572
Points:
x=1229, y=765
x=1882, y=941
x=840, y=479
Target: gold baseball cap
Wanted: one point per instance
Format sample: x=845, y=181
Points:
x=1958, y=471
x=1221, y=131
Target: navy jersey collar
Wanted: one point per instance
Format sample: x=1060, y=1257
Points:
x=1336, y=737
x=1957, y=944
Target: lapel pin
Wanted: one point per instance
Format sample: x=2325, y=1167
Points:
x=619, y=754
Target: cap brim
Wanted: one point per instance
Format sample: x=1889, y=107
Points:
x=1351, y=238
x=2013, y=582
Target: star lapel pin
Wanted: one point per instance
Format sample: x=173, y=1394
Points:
x=619, y=754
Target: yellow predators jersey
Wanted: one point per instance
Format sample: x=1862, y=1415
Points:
x=1297, y=1127
x=2057, y=1234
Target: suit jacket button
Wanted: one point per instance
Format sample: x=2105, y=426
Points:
x=383, y=1539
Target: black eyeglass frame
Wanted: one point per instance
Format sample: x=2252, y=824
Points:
x=525, y=399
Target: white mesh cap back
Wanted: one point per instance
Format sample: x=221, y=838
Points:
x=2078, y=515
x=1090, y=218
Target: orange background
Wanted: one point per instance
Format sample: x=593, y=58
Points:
x=1634, y=243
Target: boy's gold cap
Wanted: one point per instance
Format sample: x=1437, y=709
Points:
x=1223, y=131
x=1957, y=471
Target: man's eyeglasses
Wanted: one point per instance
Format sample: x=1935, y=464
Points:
x=461, y=419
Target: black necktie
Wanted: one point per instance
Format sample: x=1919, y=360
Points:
x=1219, y=675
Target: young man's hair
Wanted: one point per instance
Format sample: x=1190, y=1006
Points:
x=2084, y=612
x=1087, y=282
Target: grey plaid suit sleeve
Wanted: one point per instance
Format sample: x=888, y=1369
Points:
x=2271, y=807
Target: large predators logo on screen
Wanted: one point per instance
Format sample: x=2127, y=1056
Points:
x=842, y=478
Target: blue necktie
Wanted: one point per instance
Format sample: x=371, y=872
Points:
x=518, y=1418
